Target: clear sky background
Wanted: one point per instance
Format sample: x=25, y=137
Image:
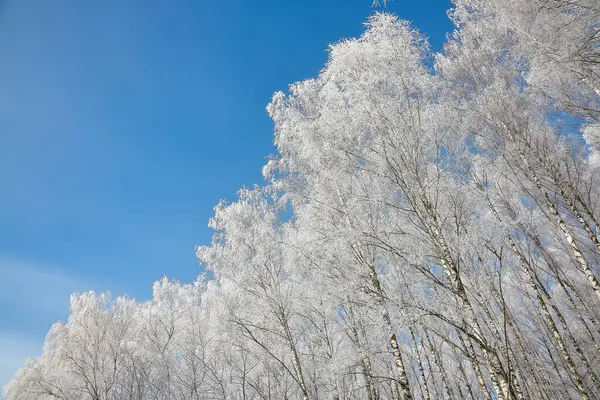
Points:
x=122, y=124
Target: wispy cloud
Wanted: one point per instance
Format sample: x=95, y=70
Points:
x=15, y=350
x=33, y=296
x=37, y=288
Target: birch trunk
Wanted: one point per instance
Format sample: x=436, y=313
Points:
x=364, y=357
x=526, y=267
x=439, y=366
x=498, y=375
x=588, y=229
x=393, y=342
x=426, y=394
x=476, y=367
x=577, y=254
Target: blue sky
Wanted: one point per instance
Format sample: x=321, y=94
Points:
x=122, y=124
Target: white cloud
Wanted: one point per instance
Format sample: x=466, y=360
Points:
x=36, y=288
x=15, y=351
x=32, y=297
x=40, y=294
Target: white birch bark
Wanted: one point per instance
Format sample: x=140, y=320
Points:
x=576, y=252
